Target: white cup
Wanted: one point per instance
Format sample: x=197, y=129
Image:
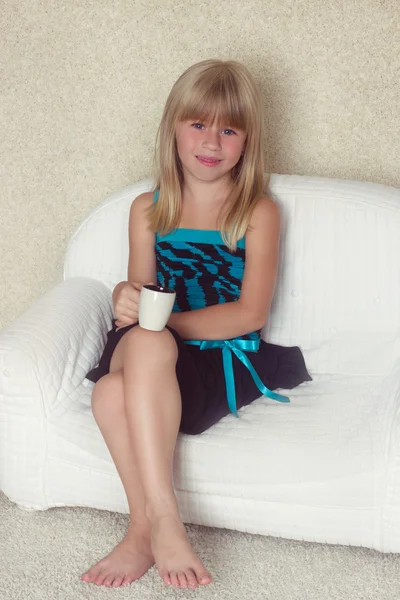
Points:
x=155, y=307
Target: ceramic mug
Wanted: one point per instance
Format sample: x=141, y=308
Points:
x=155, y=306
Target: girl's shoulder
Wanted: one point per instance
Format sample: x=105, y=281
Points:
x=139, y=210
x=265, y=209
x=142, y=202
x=265, y=224
x=264, y=218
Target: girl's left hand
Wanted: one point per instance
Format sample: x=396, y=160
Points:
x=121, y=324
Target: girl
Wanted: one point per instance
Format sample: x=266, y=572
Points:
x=209, y=232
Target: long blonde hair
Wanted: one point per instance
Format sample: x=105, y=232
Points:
x=211, y=91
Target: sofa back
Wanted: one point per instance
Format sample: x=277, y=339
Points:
x=337, y=294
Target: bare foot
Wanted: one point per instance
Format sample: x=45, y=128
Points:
x=177, y=563
x=129, y=560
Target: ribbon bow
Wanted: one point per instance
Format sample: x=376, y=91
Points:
x=239, y=347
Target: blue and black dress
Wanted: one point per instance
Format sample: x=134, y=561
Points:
x=215, y=377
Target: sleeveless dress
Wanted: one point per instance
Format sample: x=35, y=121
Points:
x=219, y=376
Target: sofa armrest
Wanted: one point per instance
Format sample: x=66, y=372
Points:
x=52, y=346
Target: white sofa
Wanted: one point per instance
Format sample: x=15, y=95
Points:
x=324, y=468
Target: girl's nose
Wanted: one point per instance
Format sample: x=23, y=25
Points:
x=211, y=139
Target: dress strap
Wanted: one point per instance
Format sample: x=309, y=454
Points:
x=156, y=194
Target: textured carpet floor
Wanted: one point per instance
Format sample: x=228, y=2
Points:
x=43, y=553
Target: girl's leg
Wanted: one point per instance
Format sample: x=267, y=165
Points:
x=153, y=409
x=133, y=556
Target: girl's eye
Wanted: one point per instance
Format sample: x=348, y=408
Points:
x=201, y=126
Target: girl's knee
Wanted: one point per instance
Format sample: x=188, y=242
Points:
x=152, y=345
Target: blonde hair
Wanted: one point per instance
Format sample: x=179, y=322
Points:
x=211, y=91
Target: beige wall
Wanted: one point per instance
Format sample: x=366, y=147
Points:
x=83, y=83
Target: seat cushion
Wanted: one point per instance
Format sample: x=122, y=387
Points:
x=323, y=454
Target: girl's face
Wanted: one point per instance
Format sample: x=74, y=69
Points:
x=208, y=152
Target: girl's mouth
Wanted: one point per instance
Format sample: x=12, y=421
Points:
x=208, y=161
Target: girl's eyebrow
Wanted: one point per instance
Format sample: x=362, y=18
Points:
x=223, y=125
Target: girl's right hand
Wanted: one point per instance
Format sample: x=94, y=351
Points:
x=126, y=304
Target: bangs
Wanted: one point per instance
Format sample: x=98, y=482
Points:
x=216, y=102
x=220, y=94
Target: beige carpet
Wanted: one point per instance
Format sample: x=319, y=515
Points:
x=43, y=553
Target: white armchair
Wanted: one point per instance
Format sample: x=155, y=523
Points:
x=324, y=468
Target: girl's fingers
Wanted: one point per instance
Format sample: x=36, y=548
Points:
x=138, y=286
x=125, y=321
x=122, y=324
x=127, y=313
x=133, y=294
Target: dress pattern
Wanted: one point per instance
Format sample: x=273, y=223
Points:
x=215, y=377
x=203, y=272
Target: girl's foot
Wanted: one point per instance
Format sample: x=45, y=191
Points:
x=131, y=559
x=177, y=563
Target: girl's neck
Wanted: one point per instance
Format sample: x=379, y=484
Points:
x=204, y=203
x=207, y=193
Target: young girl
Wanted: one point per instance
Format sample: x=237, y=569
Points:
x=209, y=232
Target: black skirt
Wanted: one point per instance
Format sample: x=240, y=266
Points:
x=201, y=378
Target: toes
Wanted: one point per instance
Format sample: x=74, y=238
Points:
x=108, y=581
x=204, y=578
x=100, y=579
x=94, y=574
x=192, y=580
x=166, y=579
x=118, y=581
x=90, y=575
x=174, y=579
x=182, y=580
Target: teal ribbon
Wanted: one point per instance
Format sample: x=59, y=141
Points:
x=238, y=346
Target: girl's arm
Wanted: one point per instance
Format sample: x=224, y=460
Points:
x=141, y=266
x=249, y=313
x=142, y=257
